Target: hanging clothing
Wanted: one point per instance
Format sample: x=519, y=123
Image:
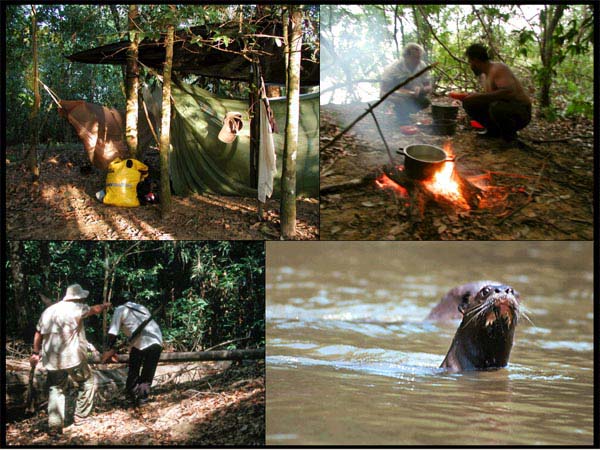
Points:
x=267, y=160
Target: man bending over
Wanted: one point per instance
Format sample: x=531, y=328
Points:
x=504, y=107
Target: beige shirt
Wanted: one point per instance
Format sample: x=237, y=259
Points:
x=399, y=71
x=64, y=342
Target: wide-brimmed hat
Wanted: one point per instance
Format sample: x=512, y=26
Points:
x=75, y=292
x=232, y=124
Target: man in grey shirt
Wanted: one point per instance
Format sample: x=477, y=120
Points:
x=412, y=97
x=146, y=348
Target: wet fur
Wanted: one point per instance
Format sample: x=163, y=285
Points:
x=478, y=345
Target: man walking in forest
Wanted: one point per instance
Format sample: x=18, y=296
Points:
x=412, y=97
x=145, y=338
x=60, y=337
x=504, y=107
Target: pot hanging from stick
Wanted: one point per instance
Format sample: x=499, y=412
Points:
x=421, y=161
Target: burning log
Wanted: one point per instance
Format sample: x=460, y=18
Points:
x=354, y=183
x=447, y=188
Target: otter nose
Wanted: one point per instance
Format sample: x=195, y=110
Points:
x=505, y=289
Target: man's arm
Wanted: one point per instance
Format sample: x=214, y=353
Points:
x=96, y=309
x=109, y=355
x=37, y=346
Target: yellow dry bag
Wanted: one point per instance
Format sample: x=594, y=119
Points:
x=122, y=180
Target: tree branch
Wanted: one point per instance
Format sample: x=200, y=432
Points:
x=376, y=104
x=488, y=34
x=462, y=61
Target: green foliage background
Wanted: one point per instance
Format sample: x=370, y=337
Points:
x=69, y=28
x=364, y=43
x=212, y=292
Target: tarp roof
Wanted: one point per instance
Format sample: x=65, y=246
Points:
x=189, y=58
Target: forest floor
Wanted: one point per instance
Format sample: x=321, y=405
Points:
x=542, y=190
x=221, y=408
x=62, y=205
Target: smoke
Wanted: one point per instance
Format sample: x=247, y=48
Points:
x=357, y=43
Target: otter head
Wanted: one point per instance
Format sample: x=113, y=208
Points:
x=493, y=303
x=485, y=335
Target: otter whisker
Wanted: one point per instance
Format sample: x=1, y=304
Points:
x=476, y=312
x=526, y=317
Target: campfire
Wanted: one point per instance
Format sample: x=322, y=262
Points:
x=446, y=182
x=446, y=187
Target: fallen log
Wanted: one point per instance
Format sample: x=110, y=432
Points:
x=108, y=378
x=355, y=183
x=420, y=196
x=214, y=355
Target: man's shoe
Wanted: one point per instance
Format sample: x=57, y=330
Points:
x=487, y=134
x=55, y=432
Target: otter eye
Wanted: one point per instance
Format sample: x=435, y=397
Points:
x=485, y=290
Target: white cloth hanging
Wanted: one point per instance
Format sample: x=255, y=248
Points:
x=267, y=160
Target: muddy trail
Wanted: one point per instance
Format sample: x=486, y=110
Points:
x=535, y=190
x=62, y=205
x=217, y=408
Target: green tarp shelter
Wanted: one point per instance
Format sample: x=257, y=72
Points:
x=200, y=162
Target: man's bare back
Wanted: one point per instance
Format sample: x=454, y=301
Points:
x=501, y=77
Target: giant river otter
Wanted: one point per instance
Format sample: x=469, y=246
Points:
x=484, y=338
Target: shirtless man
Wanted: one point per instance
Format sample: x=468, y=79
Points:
x=504, y=107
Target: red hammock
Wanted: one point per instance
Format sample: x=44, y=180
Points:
x=101, y=130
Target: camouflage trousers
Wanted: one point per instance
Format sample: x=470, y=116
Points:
x=58, y=381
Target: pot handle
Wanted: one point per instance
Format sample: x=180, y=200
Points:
x=401, y=151
x=452, y=158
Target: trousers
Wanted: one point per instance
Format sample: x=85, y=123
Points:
x=58, y=381
x=406, y=104
x=142, y=366
x=501, y=117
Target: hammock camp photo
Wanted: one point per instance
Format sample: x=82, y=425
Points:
x=162, y=122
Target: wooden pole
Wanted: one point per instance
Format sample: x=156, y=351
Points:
x=132, y=84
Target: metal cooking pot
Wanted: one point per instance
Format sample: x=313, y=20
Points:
x=443, y=127
x=421, y=161
x=443, y=112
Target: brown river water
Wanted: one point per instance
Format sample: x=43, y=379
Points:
x=351, y=360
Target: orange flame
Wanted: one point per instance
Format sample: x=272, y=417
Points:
x=444, y=183
x=385, y=182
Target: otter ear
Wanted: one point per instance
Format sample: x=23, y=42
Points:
x=464, y=302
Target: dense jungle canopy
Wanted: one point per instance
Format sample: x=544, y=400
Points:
x=210, y=292
x=65, y=29
x=549, y=46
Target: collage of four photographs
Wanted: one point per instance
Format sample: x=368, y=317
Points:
x=299, y=225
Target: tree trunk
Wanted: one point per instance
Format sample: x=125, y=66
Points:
x=117, y=20
x=107, y=270
x=32, y=157
x=165, y=128
x=288, y=178
x=396, y=20
x=548, y=21
x=422, y=28
x=19, y=282
x=132, y=84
